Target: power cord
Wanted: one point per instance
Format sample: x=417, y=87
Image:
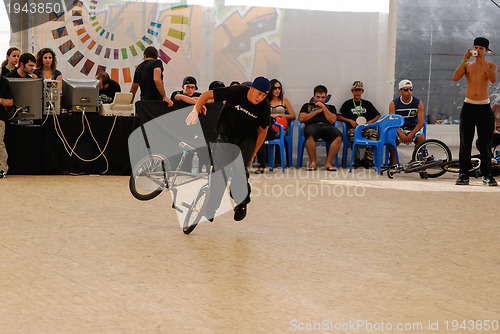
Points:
x=495, y=4
x=68, y=147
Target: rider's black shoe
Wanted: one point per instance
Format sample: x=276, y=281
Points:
x=240, y=212
x=462, y=180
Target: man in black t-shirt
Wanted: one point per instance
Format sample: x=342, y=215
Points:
x=319, y=119
x=107, y=87
x=6, y=100
x=243, y=121
x=359, y=112
x=148, y=76
x=27, y=64
x=188, y=95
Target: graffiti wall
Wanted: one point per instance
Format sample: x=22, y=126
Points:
x=302, y=48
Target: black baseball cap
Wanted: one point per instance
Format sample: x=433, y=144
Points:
x=189, y=80
x=481, y=41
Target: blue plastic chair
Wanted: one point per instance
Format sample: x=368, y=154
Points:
x=301, y=144
x=345, y=142
x=280, y=142
x=387, y=129
x=387, y=154
x=289, y=143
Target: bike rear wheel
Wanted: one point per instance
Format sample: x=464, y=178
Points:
x=454, y=166
x=149, y=177
x=429, y=151
x=195, y=211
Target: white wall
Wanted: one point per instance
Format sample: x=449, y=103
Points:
x=4, y=33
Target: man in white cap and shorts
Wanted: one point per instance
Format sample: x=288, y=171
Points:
x=412, y=109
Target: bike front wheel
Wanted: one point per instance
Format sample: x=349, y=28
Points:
x=195, y=211
x=149, y=177
x=429, y=151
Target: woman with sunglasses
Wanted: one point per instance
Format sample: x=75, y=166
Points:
x=280, y=107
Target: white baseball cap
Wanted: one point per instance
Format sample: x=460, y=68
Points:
x=405, y=83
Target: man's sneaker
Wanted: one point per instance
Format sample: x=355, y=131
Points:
x=489, y=181
x=2, y=174
x=240, y=211
x=462, y=180
x=356, y=163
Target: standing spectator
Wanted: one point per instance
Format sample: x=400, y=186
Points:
x=27, y=63
x=148, y=77
x=319, y=119
x=46, y=66
x=476, y=111
x=188, y=95
x=10, y=63
x=359, y=112
x=5, y=101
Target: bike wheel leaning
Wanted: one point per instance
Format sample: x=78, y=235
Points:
x=195, y=212
x=149, y=177
x=432, y=150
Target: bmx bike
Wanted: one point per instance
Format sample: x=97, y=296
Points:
x=427, y=159
x=453, y=166
x=153, y=174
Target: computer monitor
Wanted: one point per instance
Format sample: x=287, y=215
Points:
x=27, y=94
x=80, y=94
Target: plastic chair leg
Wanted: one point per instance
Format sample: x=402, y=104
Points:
x=283, y=161
x=352, y=156
x=270, y=149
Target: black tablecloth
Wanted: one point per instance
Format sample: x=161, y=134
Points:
x=38, y=149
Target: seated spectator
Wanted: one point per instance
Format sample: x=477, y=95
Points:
x=412, y=109
x=107, y=87
x=10, y=63
x=46, y=65
x=234, y=83
x=5, y=101
x=188, y=95
x=279, y=105
x=319, y=119
x=27, y=63
x=359, y=112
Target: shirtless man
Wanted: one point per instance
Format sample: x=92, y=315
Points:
x=476, y=111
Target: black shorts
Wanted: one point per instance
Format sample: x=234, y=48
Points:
x=326, y=131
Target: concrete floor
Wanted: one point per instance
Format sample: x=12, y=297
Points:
x=317, y=252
